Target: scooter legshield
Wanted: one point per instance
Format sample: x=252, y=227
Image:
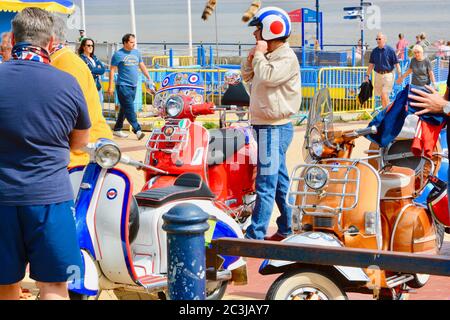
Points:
x=84, y=281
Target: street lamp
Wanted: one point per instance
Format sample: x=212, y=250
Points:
x=358, y=13
x=190, y=27
x=133, y=19
x=83, y=17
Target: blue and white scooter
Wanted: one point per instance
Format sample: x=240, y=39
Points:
x=123, y=246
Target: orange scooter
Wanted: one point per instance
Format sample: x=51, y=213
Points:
x=346, y=202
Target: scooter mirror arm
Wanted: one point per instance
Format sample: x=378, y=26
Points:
x=139, y=165
x=360, y=132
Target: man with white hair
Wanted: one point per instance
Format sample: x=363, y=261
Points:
x=5, y=48
x=383, y=60
x=43, y=115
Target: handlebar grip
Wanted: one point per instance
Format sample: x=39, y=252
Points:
x=366, y=131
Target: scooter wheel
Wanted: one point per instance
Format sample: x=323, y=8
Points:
x=305, y=285
x=218, y=292
x=77, y=296
x=419, y=281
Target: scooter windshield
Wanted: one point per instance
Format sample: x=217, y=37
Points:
x=189, y=84
x=319, y=130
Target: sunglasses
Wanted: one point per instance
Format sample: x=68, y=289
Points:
x=89, y=45
x=378, y=39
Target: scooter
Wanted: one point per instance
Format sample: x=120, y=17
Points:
x=123, y=246
x=346, y=202
x=224, y=158
x=398, y=153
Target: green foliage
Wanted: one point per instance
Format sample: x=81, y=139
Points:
x=210, y=125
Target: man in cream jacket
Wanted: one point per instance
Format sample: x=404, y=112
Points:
x=273, y=71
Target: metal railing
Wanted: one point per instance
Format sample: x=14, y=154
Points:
x=344, y=84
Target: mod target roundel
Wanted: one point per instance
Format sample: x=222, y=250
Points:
x=165, y=82
x=111, y=194
x=193, y=78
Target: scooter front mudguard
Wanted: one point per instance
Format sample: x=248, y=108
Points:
x=84, y=281
x=318, y=239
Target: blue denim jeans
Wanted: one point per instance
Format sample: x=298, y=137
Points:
x=272, y=180
x=126, y=95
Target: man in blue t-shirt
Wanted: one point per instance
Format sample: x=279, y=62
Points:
x=383, y=60
x=127, y=61
x=43, y=115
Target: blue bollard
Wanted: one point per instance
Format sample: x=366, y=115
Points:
x=186, y=225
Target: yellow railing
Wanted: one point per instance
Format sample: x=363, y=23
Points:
x=181, y=61
x=343, y=84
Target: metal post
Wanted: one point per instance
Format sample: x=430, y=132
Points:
x=186, y=225
x=353, y=57
x=438, y=69
x=317, y=20
x=211, y=57
x=171, y=57
x=133, y=21
x=303, y=56
x=190, y=27
x=362, y=33
x=83, y=17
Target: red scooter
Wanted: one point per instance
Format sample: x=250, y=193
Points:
x=224, y=158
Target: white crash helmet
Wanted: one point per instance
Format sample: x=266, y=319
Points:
x=274, y=22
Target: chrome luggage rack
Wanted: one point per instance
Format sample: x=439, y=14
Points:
x=179, y=136
x=298, y=188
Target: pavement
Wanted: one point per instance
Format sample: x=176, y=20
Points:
x=438, y=288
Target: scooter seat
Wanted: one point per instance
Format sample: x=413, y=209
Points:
x=397, y=183
x=223, y=143
x=186, y=186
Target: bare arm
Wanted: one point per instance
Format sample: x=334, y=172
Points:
x=78, y=139
x=144, y=70
x=112, y=72
x=399, y=70
x=404, y=76
x=432, y=77
x=369, y=70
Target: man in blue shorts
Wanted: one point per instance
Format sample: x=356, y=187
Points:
x=43, y=115
x=128, y=61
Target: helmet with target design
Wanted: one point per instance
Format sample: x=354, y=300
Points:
x=274, y=22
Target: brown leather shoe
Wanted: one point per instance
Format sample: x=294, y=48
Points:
x=275, y=237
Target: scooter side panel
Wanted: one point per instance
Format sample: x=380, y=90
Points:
x=152, y=240
x=112, y=228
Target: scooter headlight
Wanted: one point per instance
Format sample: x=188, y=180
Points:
x=174, y=106
x=315, y=143
x=107, y=154
x=316, y=177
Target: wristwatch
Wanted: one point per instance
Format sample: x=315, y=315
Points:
x=447, y=108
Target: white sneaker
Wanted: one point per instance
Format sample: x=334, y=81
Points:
x=140, y=135
x=120, y=134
